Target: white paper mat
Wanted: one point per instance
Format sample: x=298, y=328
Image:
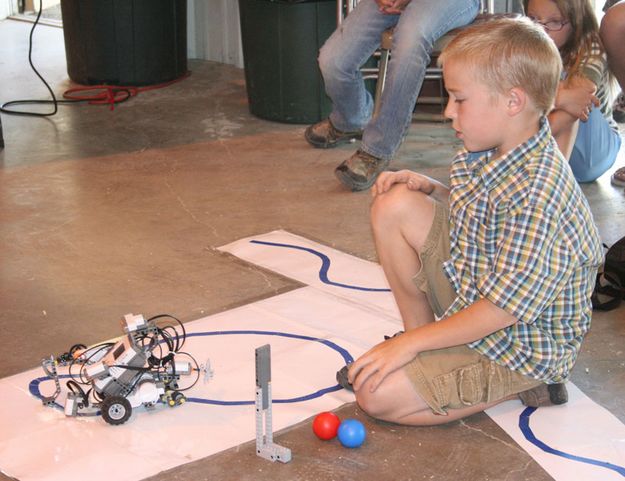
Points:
x=345, y=310
x=38, y=442
x=580, y=440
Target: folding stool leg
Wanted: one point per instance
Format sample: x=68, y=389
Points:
x=385, y=49
x=379, y=86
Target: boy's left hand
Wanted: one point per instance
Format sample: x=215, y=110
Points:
x=381, y=360
x=413, y=181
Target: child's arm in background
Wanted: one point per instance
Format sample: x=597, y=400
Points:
x=576, y=96
x=574, y=100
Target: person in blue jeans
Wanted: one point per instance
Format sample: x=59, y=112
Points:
x=418, y=24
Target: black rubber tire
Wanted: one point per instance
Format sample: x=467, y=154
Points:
x=178, y=398
x=116, y=410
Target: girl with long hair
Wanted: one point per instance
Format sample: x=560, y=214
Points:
x=581, y=120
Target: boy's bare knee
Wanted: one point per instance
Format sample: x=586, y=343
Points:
x=378, y=408
x=394, y=206
x=382, y=404
x=372, y=404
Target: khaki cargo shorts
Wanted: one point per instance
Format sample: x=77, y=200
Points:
x=455, y=377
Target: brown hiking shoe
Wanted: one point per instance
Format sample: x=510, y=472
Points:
x=544, y=395
x=323, y=135
x=360, y=170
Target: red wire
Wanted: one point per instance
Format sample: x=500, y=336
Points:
x=113, y=94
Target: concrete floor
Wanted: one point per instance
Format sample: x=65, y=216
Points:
x=107, y=212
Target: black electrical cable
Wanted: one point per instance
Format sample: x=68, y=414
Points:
x=98, y=94
x=158, y=365
x=180, y=340
x=54, y=100
x=84, y=360
x=75, y=388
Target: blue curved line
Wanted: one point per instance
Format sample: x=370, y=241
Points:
x=325, y=266
x=524, y=425
x=33, y=386
x=307, y=397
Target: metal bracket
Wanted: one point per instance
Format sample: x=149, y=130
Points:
x=265, y=447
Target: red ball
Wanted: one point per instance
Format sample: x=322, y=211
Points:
x=326, y=425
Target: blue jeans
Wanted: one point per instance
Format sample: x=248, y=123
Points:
x=348, y=48
x=596, y=147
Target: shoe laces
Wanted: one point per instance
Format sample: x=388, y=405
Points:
x=366, y=158
x=327, y=130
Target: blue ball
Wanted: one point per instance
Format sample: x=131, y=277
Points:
x=352, y=433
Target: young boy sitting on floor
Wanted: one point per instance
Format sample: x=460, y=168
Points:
x=507, y=268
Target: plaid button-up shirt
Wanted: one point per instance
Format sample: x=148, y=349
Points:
x=523, y=237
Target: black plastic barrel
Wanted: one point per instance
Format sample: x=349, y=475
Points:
x=281, y=41
x=125, y=42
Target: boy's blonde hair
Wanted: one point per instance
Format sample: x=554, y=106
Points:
x=509, y=52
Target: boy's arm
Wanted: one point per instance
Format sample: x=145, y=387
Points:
x=470, y=324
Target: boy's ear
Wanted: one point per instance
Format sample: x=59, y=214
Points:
x=517, y=100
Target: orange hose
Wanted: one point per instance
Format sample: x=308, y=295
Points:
x=113, y=94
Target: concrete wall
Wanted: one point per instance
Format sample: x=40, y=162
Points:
x=32, y=5
x=5, y=8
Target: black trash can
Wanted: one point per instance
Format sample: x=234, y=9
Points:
x=125, y=42
x=281, y=41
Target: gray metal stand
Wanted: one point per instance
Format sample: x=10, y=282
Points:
x=265, y=447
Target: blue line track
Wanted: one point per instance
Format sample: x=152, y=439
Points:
x=347, y=357
x=524, y=425
x=325, y=266
x=525, y=415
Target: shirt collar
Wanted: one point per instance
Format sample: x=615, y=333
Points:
x=492, y=173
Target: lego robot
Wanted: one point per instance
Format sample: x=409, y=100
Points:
x=141, y=369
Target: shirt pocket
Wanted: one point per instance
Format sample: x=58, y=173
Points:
x=483, y=237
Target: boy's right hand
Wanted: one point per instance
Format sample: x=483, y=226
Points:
x=381, y=360
x=413, y=181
